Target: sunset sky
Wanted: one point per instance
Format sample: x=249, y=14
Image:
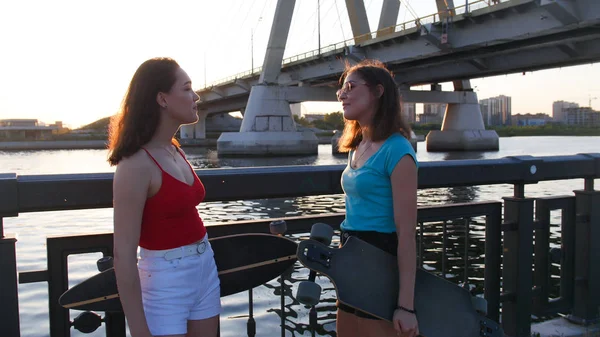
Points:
x=71, y=61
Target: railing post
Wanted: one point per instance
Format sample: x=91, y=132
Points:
x=544, y=256
x=586, y=302
x=9, y=310
x=9, y=289
x=493, y=262
x=115, y=324
x=516, y=273
x=58, y=281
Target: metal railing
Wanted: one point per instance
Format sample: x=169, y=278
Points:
x=514, y=284
x=340, y=46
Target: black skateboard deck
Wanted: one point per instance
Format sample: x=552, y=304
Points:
x=243, y=261
x=366, y=278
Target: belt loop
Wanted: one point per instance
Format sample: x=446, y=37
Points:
x=182, y=249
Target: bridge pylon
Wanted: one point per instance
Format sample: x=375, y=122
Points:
x=462, y=128
x=268, y=127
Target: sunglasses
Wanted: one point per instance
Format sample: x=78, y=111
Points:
x=347, y=87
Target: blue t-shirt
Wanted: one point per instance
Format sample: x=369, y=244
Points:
x=368, y=189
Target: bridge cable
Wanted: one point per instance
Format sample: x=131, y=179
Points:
x=339, y=19
x=258, y=21
x=410, y=9
x=315, y=28
x=261, y=14
x=248, y=13
x=228, y=32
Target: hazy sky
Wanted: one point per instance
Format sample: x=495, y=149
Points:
x=72, y=60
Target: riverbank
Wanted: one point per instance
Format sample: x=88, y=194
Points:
x=102, y=144
x=53, y=145
x=524, y=131
x=323, y=137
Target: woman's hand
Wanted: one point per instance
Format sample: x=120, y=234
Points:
x=405, y=323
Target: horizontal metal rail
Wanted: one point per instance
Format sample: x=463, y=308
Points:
x=36, y=193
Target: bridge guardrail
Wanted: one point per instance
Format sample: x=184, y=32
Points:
x=432, y=18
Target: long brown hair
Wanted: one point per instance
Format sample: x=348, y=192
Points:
x=387, y=120
x=137, y=121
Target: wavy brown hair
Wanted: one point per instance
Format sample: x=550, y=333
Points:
x=137, y=121
x=387, y=119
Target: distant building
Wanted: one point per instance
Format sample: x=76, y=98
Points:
x=484, y=107
x=433, y=113
x=582, y=116
x=559, y=110
x=27, y=129
x=409, y=112
x=530, y=119
x=496, y=111
x=314, y=117
x=298, y=110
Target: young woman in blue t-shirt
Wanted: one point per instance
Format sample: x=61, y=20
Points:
x=380, y=186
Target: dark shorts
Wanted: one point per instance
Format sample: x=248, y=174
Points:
x=385, y=241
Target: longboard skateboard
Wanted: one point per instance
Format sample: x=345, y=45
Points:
x=366, y=278
x=244, y=261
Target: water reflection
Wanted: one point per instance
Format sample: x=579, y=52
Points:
x=456, y=155
x=208, y=158
x=463, y=194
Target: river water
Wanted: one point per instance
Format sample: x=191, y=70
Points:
x=32, y=229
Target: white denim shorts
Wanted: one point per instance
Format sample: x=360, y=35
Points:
x=178, y=288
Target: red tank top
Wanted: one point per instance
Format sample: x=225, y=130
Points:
x=170, y=217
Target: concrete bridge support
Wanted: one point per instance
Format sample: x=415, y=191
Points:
x=358, y=20
x=268, y=127
x=388, y=17
x=462, y=128
x=195, y=131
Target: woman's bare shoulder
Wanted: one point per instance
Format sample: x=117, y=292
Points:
x=137, y=165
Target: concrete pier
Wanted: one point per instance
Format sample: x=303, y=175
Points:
x=268, y=128
x=462, y=130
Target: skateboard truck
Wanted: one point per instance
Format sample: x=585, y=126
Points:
x=489, y=330
x=318, y=254
x=309, y=292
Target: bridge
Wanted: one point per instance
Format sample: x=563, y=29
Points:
x=458, y=43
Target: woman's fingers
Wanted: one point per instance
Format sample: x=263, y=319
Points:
x=397, y=326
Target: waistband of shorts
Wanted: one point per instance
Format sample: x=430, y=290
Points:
x=196, y=248
x=374, y=234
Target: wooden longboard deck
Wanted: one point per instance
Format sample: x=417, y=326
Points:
x=244, y=261
x=366, y=278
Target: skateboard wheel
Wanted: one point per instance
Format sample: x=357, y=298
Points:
x=104, y=263
x=308, y=293
x=278, y=227
x=479, y=304
x=321, y=232
x=87, y=322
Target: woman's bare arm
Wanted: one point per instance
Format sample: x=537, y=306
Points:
x=130, y=190
x=404, y=192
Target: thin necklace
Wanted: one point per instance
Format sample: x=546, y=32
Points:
x=362, y=154
x=171, y=153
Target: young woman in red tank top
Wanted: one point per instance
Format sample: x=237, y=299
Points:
x=173, y=289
